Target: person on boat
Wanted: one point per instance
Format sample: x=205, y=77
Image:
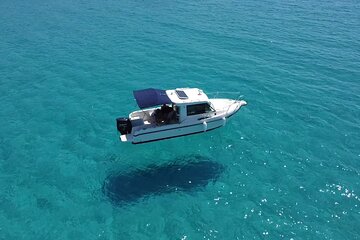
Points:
x=165, y=109
x=171, y=117
x=158, y=116
x=165, y=114
x=161, y=114
x=169, y=114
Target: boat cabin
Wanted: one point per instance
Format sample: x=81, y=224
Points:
x=175, y=105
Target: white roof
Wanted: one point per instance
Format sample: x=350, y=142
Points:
x=193, y=95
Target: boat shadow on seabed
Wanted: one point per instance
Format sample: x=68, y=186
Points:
x=179, y=175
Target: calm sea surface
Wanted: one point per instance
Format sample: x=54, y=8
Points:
x=287, y=166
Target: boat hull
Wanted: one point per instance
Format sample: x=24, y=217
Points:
x=177, y=131
x=144, y=133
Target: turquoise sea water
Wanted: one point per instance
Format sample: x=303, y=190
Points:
x=289, y=162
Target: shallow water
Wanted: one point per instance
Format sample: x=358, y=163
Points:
x=290, y=158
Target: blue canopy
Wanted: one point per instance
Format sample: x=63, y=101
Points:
x=151, y=97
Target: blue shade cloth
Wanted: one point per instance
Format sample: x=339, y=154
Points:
x=151, y=97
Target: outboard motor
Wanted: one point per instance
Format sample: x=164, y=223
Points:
x=123, y=125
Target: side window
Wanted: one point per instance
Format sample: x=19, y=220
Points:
x=197, y=109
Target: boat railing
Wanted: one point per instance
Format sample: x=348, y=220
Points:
x=228, y=94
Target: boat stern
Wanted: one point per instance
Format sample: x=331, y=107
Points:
x=124, y=127
x=126, y=138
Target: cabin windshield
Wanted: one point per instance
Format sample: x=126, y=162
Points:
x=198, y=109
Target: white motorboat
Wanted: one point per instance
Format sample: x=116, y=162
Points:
x=180, y=112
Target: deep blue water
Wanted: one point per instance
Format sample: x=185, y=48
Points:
x=286, y=166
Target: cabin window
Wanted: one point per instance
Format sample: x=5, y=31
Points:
x=198, y=109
